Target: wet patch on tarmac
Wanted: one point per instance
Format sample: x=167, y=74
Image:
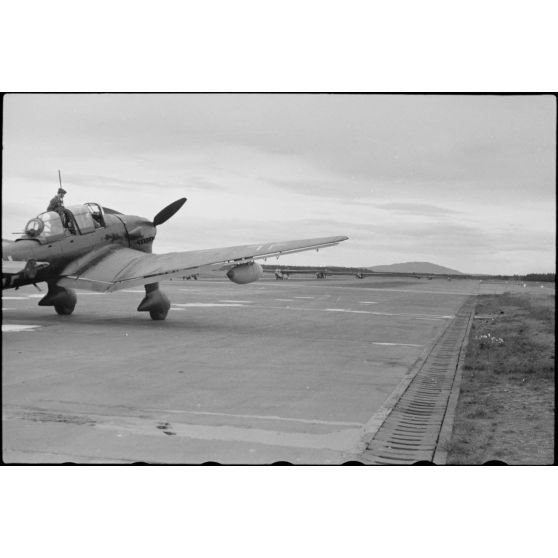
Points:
x=45, y=416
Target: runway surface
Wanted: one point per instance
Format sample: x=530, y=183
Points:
x=272, y=371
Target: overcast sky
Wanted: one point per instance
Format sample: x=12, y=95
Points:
x=467, y=182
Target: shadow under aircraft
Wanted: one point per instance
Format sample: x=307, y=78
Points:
x=96, y=248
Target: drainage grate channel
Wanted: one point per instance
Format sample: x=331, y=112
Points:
x=410, y=432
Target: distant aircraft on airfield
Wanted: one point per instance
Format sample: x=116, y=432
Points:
x=282, y=274
x=319, y=273
x=102, y=250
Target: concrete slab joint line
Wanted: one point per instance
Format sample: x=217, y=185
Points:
x=423, y=405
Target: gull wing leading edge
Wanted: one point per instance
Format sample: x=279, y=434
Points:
x=121, y=267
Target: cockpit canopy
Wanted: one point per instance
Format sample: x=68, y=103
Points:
x=77, y=219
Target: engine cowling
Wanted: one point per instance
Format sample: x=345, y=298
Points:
x=245, y=273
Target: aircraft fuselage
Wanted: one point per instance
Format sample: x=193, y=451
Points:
x=59, y=253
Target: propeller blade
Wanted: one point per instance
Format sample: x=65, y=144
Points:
x=166, y=213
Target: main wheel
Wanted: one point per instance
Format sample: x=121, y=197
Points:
x=158, y=314
x=64, y=310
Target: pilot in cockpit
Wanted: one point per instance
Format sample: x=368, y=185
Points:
x=57, y=204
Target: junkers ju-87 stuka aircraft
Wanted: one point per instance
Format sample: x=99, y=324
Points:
x=96, y=248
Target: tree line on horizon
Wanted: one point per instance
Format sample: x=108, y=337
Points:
x=541, y=277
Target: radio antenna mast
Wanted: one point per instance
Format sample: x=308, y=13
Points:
x=59, y=178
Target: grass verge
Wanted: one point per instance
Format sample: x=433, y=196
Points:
x=506, y=402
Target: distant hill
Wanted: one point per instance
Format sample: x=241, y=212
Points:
x=416, y=267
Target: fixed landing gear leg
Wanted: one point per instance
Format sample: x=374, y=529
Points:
x=155, y=302
x=63, y=300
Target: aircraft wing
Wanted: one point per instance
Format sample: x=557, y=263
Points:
x=113, y=267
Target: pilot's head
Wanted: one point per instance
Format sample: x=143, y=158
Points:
x=61, y=192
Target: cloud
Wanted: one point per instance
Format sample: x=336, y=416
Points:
x=422, y=209
x=467, y=181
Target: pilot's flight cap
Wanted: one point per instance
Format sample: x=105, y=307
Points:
x=61, y=191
